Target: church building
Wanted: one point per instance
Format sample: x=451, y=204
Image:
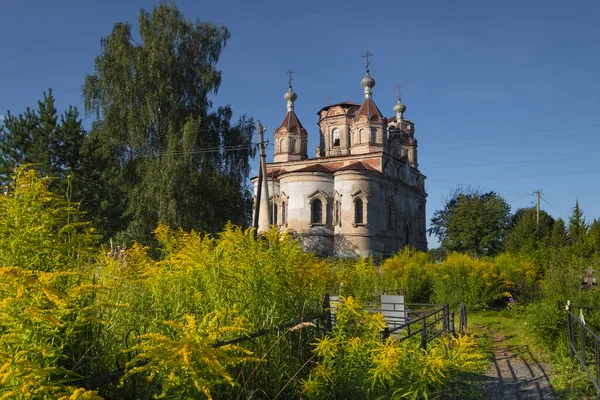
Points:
x=361, y=195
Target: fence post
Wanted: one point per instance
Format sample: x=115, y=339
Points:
x=327, y=312
x=445, y=321
x=582, y=339
x=463, y=319
x=570, y=332
x=386, y=333
x=424, y=334
x=452, y=322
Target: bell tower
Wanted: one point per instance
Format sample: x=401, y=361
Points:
x=368, y=131
x=291, y=139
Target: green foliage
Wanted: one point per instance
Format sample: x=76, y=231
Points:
x=184, y=361
x=356, y=277
x=39, y=230
x=409, y=270
x=472, y=222
x=355, y=364
x=559, y=236
x=577, y=226
x=182, y=163
x=43, y=302
x=524, y=234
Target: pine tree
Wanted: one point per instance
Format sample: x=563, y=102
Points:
x=559, y=237
x=29, y=139
x=577, y=225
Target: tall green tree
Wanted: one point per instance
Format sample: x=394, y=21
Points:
x=182, y=162
x=472, y=222
x=559, y=238
x=593, y=237
x=524, y=234
x=577, y=226
x=28, y=138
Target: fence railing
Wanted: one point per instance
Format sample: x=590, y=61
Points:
x=430, y=321
x=584, y=343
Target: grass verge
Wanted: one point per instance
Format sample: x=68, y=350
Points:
x=566, y=376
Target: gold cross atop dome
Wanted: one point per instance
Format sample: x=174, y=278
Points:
x=367, y=55
x=289, y=72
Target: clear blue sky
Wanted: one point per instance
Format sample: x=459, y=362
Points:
x=504, y=94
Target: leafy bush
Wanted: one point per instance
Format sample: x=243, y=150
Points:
x=353, y=362
x=409, y=269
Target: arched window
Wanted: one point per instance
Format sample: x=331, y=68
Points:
x=292, y=146
x=336, y=137
x=338, y=213
x=275, y=211
x=373, y=138
x=358, y=211
x=281, y=146
x=284, y=213
x=316, y=215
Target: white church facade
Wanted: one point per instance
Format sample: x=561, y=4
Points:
x=361, y=195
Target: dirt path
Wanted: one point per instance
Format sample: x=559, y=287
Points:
x=513, y=376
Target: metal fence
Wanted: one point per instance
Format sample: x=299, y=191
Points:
x=584, y=343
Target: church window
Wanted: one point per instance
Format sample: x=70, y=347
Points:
x=293, y=146
x=284, y=213
x=316, y=215
x=358, y=211
x=373, y=138
x=273, y=207
x=281, y=146
x=336, y=137
x=359, y=136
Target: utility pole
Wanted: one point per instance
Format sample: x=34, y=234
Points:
x=261, y=132
x=537, y=210
x=261, y=209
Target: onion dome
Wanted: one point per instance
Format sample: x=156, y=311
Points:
x=367, y=83
x=399, y=108
x=290, y=97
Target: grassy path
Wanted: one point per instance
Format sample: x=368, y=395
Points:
x=514, y=374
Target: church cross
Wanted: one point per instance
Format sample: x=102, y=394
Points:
x=289, y=73
x=399, y=86
x=329, y=99
x=367, y=55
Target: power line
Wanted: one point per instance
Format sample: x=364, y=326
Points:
x=517, y=141
x=519, y=198
x=514, y=162
x=554, y=208
x=511, y=134
x=520, y=176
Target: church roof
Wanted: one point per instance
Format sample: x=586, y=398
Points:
x=291, y=121
x=274, y=173
x=369, y=109
x=358, y=166
x=344, y=104
x=313, y=168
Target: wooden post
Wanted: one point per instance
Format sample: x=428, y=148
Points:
x=327, y=312
x=424, y=334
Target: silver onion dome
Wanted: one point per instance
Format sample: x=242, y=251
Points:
x=399, y=108
x=367, y=81
x=290, y=95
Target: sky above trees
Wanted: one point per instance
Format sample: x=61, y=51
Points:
x=504, y=95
